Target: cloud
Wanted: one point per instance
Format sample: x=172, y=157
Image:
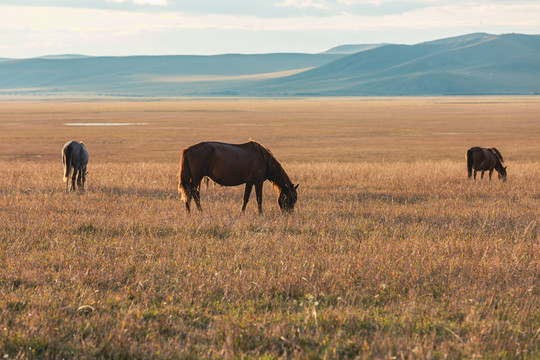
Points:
x=304, y=4
x=61, y=19
x=152, y=2
x=61, y=29
x=141, y=2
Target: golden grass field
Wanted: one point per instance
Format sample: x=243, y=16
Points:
x=391, y=252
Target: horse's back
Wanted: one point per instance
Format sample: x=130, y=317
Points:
x=226, y=164
x=476, y=150
x=223, y=152
x=481, y=158
x=215, y=146
x=477, y=153
x=79, y=154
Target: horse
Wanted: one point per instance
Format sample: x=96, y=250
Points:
x=231, y=165
x=482, y=159
x=75, y=160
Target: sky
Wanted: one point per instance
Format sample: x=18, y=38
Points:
x=31, y=28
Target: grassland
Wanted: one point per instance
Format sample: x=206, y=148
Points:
x=391, y=253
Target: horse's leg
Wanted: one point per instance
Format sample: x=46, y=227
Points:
x=247, y=192
x=197, y=197
x=490, y=173
x=258, y=192
x=73, y=178
x=475, y=171
x=79, y=179
x=482, y=177
x=83, y=177
x=188, y=200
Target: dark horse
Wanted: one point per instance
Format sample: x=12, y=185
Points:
x=75, y=160
x=232, y=165
x=481, y=159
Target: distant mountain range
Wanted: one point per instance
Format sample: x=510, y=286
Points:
x=352, y=49
x=475, y=64
x=472, y=64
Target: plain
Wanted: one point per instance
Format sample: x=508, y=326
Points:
x=391, y=252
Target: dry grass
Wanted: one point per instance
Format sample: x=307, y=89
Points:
x=350, y=130
x=400, y=259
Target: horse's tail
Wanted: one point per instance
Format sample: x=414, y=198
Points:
x=184, y=177
x=497, y=153
x=66, y=161
x=469, y=157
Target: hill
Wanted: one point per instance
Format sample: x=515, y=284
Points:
x=351, y=49
x=472, y=64
x=63, y=56
x=149, y=75
x=475, y=64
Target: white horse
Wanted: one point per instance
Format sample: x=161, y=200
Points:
x=75, y=160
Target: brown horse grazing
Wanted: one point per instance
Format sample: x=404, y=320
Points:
x=232, y=165
x=481, y=159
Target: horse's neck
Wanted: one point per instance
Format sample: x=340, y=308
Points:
x=278, y=176
x=497, y=162
x=493, y=157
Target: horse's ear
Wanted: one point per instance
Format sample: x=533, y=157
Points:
x=505, y=167
x=295, y=186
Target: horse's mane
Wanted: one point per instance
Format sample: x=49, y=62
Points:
x=275, y=172
x=497, y=154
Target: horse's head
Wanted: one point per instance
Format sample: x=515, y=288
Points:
x=502, y=172
x=287, y=197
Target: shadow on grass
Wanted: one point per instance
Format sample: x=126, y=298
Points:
x=137, y=230
x=392, y=198
x=116, y=191
x=137, y=192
